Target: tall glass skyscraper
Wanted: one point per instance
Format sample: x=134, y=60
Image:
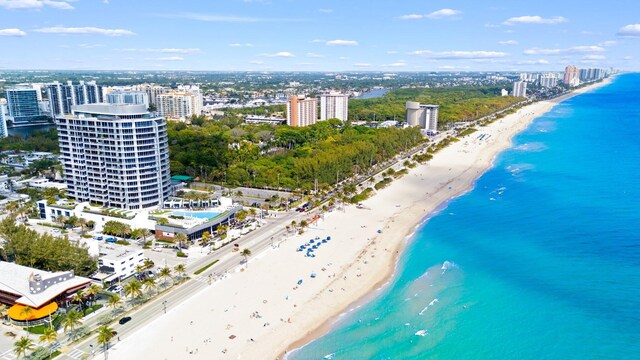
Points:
x=23, y=105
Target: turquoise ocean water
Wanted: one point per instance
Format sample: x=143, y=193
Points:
x=541, y=260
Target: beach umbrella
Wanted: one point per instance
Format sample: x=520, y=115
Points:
x=300, y=282
x=328, y=237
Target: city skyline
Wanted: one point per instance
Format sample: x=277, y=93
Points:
x=262, y=35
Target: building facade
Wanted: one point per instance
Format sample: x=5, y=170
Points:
x=115, y=155
x=571, y=76
x=423, y=116
x=520, y=89
x=128, y=97
x=334, y=106
x=4, y=113
x=302, y=111
x=63, y=97
x=179, y=105
x=549, y=80
x=22, y=105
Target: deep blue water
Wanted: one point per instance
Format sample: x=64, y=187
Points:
x=541, y=260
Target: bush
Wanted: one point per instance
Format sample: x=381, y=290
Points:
x=383, y=183
x=122, y=242
x=91, y=309
x=181, y=254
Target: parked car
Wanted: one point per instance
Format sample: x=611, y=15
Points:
x=110, y=239
x=124, y=320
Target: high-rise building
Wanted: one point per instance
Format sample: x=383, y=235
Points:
x=4, y=113
x=22, y=104
x=302, y=111
x=423, y=116
x=571, y=76
x=128, y=97
x=179, y=105
x=520, y=89
x=334, y=106
x=62, y=97
x=115, y=155
x=549, y=80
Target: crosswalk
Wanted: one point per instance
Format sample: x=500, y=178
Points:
x=77, y=354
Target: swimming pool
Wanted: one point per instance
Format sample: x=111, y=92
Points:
x=196, y=214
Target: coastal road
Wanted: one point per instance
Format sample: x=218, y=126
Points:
x=258, y=241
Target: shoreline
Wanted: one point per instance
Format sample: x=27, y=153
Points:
x=377, y=287
x=282, y=300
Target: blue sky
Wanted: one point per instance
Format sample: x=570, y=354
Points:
x=330, y=35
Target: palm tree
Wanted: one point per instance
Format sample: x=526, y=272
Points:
x=72, y=320
x=82, y=222
x=164, y=273
x=140, y=269
x=245, y=254
x=149, y=283
x=27, y=312
x=145, y=232
x=180, y=238
x=180, y=269
x=105, y=334
x=206, y=237
x=22, y=346
x=133, y=289
x=3, y=311
x=253, y=212
x=78, y=297
x=49, y=336
x=221, y=229
x=92, y=291
x=148, y=263
x=114, y=302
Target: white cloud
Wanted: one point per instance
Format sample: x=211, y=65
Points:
x=283, y=54
x=305, y=64
x=361, y=64
x=35, y=4
x=241, y=45
x=594, y=57
x=608, y=43
x=508, y=42
x=12, y=32
x=318, y=41
x=342, y=43
x=343, y=58
x=460, y=54
x=166, y=58
x=392, y=52
x=528, y=19
x=226, y=18
x=571, y=50
x=326, y=11
x=443, y=13
x=84, y=30
x=256, y=62
x=632, y=30
x=452, y=67
x=491, y=26
x=628, y=58
x=90, y=46
x=186, y=51
x=411, y=17
x=533, y=62
x=396, y=64
x=314, y=55
x=439, y=14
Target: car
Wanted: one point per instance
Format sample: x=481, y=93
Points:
x=116, y=289
x=110, y=239
x=124, y=320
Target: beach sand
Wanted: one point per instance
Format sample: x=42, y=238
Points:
x=259, y=311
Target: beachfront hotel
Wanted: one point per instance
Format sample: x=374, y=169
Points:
x=520, y=89
x=571, y=76
x=423, y=116
x=115, y=155
x=41, y=291
x=302, y=111
x=334, y=106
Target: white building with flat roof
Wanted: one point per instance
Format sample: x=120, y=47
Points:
x=520, y=89
x=177, y=105
x=128, y=97
x=302, y=111
x=423, y=116
x=115, y=155
x=334, y=106
x=119, y=260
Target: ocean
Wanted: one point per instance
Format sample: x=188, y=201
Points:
x=540, y=260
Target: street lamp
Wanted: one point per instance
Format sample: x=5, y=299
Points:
x=164, y=305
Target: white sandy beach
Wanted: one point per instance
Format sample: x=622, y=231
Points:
x=263, y=306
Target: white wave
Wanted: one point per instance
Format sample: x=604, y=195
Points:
x=421, y=332
x=330, y=356
x=428, y=306
x=532, y=147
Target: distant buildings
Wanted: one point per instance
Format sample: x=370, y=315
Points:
x=179, y=105
x=115, y=156
x=334, y=106
x=128, y=97
x=4, y=113
x=423, y=116
x=520, y=89
x=62, y=97
x=504, y=92
x=571, y=76
x=549, y=80
x=302, y=111
x=23, y=106
x=591, y=74
x=254, y=119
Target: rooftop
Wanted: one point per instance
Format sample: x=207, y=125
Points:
x=22, y=280
x=116, y=252
x=111, y=109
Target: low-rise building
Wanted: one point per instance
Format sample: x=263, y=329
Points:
x=119, y=260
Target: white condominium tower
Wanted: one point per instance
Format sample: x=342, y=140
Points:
x=334, y=106
x=63, y=97
x=302, y=111
x=520, y=89
x=423, y=116
x=179, y=105
x=115, y=155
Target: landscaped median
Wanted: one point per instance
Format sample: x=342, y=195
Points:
x=202, y=269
